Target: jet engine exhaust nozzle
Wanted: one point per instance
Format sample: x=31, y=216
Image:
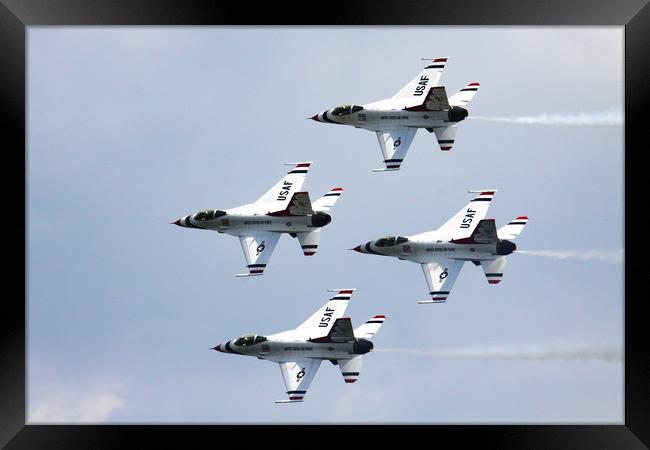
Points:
x=456, y=114
x=362, y=346
x=320, y=219
x=505, y=247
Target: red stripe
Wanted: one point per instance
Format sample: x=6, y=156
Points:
x=393, y=167
x=379, y=317
x=445, y=148
x=257, y=271
x=346, y=291
x=493, y=281
x=440, y=60
x=350, y=381
x=522, y=218
x=309, y=253
x=295, y=398
x=337, y=189
x=487, y=193
x=438, y=298
x=303, y=165
x=473, y=84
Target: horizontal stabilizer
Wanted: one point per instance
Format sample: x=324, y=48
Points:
x=465, y=95
x=446, y=136
x=309, y=241
x=494, y=269
x=328, y=200
x=351, y=368
x=513, y=228
x=370, y=328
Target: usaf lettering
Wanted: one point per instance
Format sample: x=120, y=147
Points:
x=422, y=85
x=326, y=317
x=469, y=216
x=286, y=187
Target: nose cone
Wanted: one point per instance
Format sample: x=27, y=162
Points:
x=357, y=249
x=178, y=222
x=218, y=348
x=315, y=117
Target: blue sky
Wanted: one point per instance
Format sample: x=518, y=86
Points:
x=131, y=128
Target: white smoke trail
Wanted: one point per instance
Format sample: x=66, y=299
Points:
x=612, y=256
x=527, y=352
x=609, y=118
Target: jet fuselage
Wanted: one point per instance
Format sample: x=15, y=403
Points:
x=288, y=347
x=385, y=114
x=249, y=219
x=424, y=251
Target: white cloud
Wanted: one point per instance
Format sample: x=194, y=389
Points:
x=66, y=404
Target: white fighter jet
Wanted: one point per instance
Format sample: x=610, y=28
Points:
x=467, y=236
x=419, y=104
x=325, y=336
x=282, y=209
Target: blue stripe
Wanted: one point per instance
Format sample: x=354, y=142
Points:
x=369, y=250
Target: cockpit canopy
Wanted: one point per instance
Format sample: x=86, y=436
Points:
x=208, y=214
x=250, y=339
x=344, y=110
x=389, y=241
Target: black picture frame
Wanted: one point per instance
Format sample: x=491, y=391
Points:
x=16, y=15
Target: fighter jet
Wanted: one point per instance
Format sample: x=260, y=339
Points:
x=467, y=236
x=282, y=209
x=325, y=336
x=419, y=104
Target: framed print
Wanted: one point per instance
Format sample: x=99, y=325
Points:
x=144, y=128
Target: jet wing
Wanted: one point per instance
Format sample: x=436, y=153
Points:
x=279, y=195
x=298, y=375
x=320, y=322
x=441, y=276
x=463, y=223
x=258, y=249
x=419, y=85
x=394, y=143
